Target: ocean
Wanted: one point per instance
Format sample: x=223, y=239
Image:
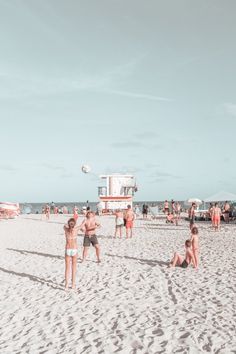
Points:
x=36, y=208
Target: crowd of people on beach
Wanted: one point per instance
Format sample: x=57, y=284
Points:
x=125, y=219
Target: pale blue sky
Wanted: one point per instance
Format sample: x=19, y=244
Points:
x=126, y=86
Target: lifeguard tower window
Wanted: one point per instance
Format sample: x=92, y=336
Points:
x=102, y=191
x=128, y=190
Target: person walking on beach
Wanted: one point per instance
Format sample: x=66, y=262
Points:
x=71, y=252
x=89, y=226
x=216, y=216
x=210, y=211
x=226, y=212
x=184, y=262
x=195, y=244
x=47, y=212
x=129, y=221
x=145, y=211
x=119, y=222
x=166, y=207
x=177, y=212
x=192, y=215
x=76, y=213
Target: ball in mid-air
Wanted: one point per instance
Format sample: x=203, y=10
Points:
x=86, y=169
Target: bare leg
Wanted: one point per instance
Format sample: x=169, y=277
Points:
x=74, y=268
x=196, y=257
x=131, y=232
x=120, y=232
x=97, y=248
x=177, y=260
x=127, y=233
x=115, y=232
x=85, y=253
x=67, y=271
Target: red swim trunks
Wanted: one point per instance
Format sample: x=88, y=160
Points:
x=216, y=219
x=129, y=224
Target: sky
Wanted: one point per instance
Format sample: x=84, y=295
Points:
x=128, y=86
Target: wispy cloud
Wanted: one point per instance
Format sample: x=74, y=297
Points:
x=8, y=168
x=137, y=95
x=127, y=144
x=16, y=87
x=162, y=176
x=146, y=135
x=54, y=167
x=230, y=108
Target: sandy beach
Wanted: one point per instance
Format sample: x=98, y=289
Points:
x=130, y=303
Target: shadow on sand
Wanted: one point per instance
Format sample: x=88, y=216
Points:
x=33, y=278
x=149, y=262
x=37, y=253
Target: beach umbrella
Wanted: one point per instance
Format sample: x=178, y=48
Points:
x=194, y=200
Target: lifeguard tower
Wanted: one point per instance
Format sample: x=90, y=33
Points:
x=117, y=192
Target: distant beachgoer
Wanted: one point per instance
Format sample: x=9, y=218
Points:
x=145, y=211
x=65, y=210
x=173, y=206
x=47, y=212
x=71, y=252
x=56, y=210
x=166, y=207
x=195, y=244
x=216, y=215
x=136, y=211
x=76, y=213
x=129, y=221
x=177, y=212
x=192, y=215
x=119, y=222
x=89, y=226
x=184, y=262
x=170, y=218
x=210, y=211
x=226, y=212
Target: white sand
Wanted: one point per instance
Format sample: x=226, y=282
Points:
x=131, y=303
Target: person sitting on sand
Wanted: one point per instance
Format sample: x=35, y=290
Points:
x=71, y=252
x=216, y=215
x=182, y=262
x=119, y=222
x=170, y=218
x=195, y=244
x=129, y=221
x=89, y=226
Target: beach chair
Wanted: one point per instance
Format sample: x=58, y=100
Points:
x=154, y=211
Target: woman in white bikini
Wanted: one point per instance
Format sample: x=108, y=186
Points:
x=71, y=252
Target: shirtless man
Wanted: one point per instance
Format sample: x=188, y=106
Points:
x=226, y=212
x=89, y=226
x=129, y=224
x=195, y=244
x=216, y=215
x=192, y=215
x=182, y=262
